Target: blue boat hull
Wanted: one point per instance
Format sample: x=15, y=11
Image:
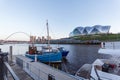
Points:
x=46, y=57
x=64, y=53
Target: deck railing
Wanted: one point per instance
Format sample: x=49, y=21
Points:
x=110, y=45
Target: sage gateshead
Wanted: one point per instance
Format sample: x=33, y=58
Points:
x=97, y=29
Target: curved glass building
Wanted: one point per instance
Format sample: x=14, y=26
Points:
x=97, y=29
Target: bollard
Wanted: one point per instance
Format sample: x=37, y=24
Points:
x=11, y=56
x=3, y=69
x=35, y=58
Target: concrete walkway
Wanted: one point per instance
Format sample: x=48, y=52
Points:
x=20, y=73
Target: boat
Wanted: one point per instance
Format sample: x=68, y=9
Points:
x=107, y=69
x=112, y=48
x=63, y=51
x=103, y=69
x=46, y=54
x=84, y=72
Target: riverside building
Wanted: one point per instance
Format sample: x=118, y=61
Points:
x=97, y=29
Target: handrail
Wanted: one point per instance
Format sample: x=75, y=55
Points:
x=97, y=73
x=11, y=71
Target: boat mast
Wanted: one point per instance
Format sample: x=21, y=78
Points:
x=48, y=34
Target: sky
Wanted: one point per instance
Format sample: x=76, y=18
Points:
x=29, y=16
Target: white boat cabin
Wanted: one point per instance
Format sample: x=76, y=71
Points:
x=112, y=48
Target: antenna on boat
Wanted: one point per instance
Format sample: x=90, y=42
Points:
x=48, y=33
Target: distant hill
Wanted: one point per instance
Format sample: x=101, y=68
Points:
x=100, y=37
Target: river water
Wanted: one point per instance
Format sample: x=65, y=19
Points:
x=78, y=55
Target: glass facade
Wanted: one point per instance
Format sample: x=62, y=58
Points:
x=97, y=29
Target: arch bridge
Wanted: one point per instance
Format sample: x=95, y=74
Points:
x=14, y=34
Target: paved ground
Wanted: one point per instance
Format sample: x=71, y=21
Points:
x=19, y=72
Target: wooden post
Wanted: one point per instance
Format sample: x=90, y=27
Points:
x=11, y=56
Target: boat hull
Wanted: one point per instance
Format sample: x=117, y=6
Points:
x=64, y=53
x=102, y=74
x=46, y=57
x=109, y=51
